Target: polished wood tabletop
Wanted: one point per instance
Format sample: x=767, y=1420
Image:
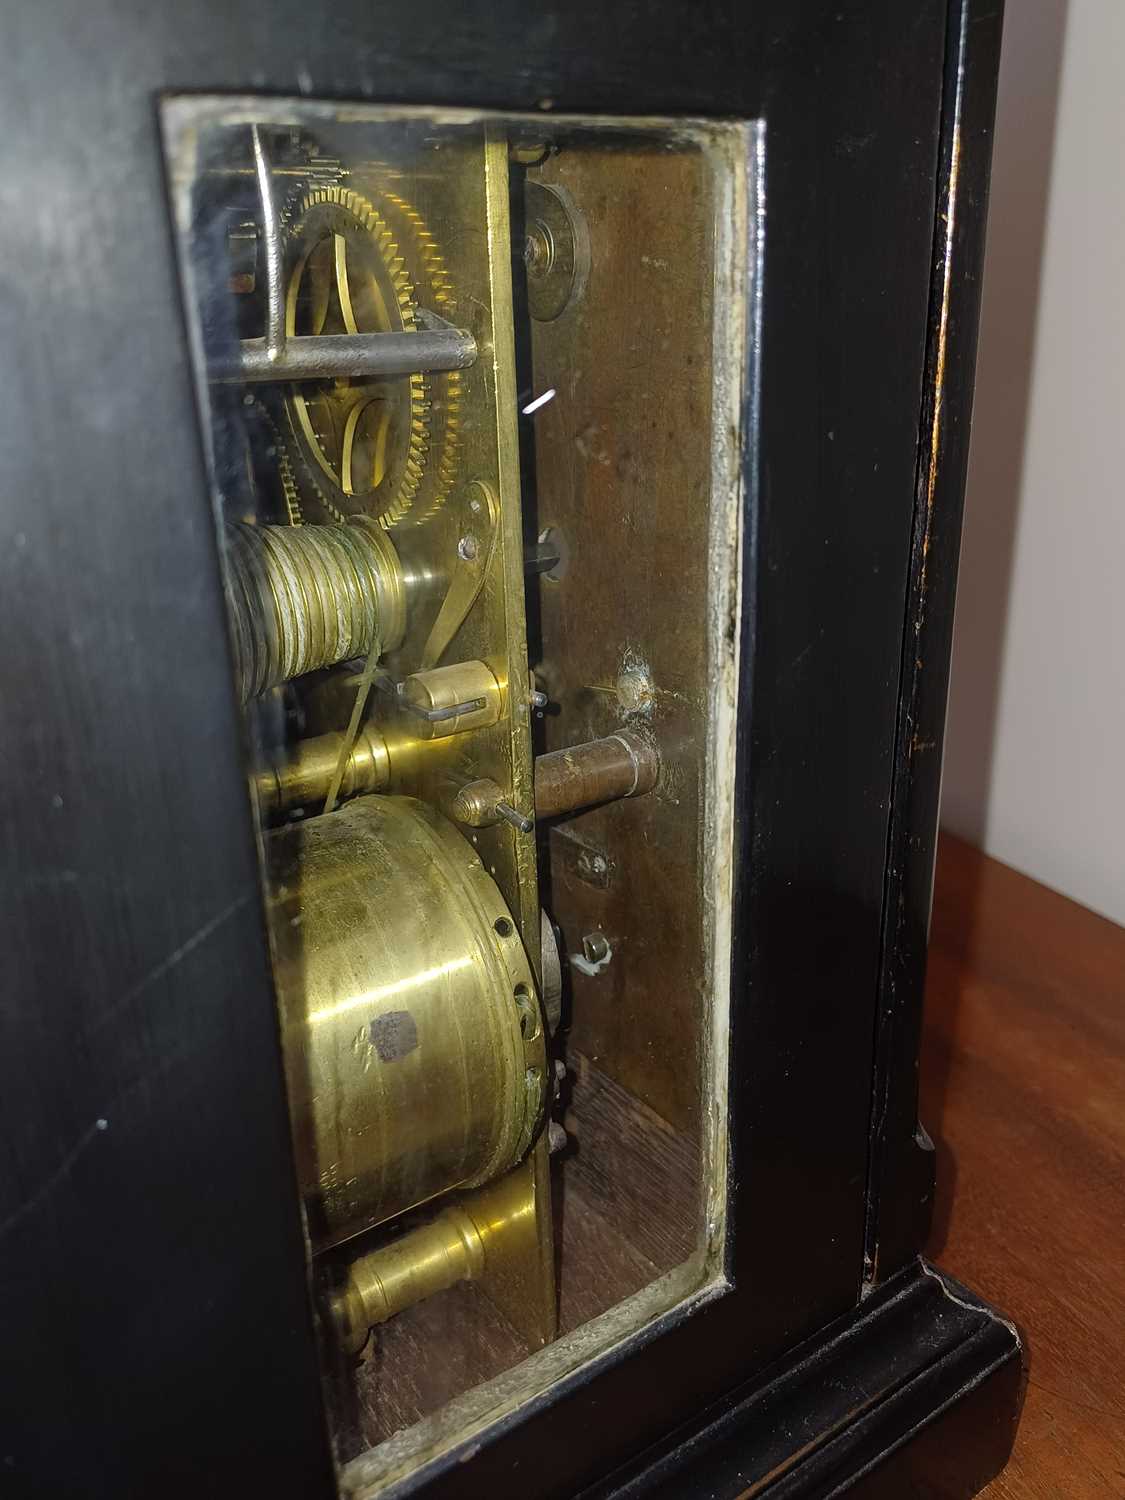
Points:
x=1023, y=1089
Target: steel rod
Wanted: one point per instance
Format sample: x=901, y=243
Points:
x=435, y=346
x=333, y=355
x=274, y=342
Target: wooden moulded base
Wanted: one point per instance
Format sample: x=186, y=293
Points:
x=912, y=1396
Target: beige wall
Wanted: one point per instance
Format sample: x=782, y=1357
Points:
x=1035, y=755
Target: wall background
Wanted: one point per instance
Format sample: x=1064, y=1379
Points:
x=1035, y=754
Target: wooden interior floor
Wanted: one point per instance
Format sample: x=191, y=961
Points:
x=625, y=1196
x=1023, y=1089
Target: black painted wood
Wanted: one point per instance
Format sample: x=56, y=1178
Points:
x=900, y=1190
x=153, y=1285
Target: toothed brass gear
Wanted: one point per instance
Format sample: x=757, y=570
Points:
x=447, y=388
x=386, y=448
x=279, y=459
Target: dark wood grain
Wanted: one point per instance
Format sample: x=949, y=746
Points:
x=616, y=454
x=633, y=1168
x=1023, y=1083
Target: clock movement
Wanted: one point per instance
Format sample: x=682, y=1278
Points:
x=477, y=658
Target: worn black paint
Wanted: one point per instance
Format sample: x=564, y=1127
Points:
x=156, y=1327
x=900, y=1198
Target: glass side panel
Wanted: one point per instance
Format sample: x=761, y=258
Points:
x=470, y=388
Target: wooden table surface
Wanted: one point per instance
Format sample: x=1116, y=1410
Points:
x=1023, y=1090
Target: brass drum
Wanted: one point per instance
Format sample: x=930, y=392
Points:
x=414, y=1047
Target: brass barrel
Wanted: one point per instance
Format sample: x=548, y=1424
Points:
x=304, y=597
x=302, y=775
x=414, y=1046
x=454, y=699
x=414, y=1266
x=484, y=1234
x=621, y=765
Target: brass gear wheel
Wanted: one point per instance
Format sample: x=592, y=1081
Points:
x=385, y=448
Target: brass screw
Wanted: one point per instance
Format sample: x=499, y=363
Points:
x=538, y=249
x=529, y=153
